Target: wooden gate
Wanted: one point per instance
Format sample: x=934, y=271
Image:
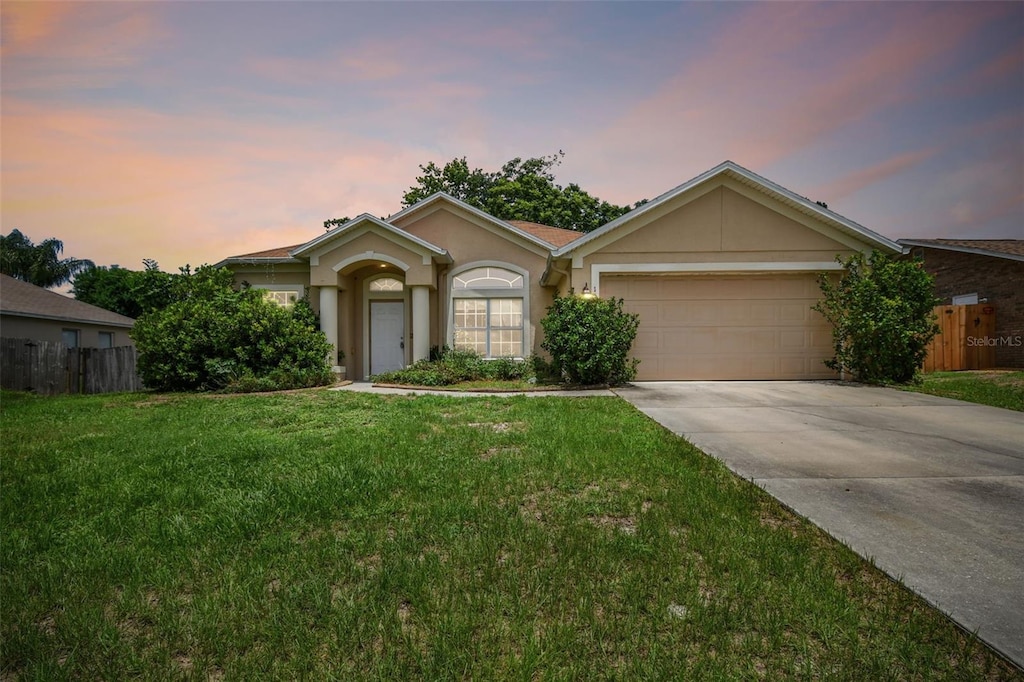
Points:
x=962, y=343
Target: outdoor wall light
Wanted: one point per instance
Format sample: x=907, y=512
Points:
x=587, y=293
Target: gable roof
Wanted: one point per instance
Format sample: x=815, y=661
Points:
x=27, y=300
x=753, y=180
x=438, y=197
x=311, y=246
x=1012, y=249
x=556, y=236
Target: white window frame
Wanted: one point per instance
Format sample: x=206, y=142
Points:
x=372, y=282
x=271, y=290
x=488, y=294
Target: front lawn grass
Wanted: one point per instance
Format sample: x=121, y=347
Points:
x=326, y=535
x=985, y=387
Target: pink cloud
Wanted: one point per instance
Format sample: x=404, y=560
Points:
x=768, y=88
x=114, y=187
x=26, y=24
x=865, y=177
x=56, y=46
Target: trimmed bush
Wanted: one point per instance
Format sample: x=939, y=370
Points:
x=881, y=316
x=589, y=340
x=450, y=366
x=213, y=337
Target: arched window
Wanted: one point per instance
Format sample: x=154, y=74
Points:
x=489, y=311
x=487, y=278
x=385, y=284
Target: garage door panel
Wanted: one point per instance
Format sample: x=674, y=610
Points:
x=640, y=289
x=821, y=340
x=649, y=312
x=793, y=311
x=646, y=341
x=762, y=312
x=726, y=327
x=793, y=339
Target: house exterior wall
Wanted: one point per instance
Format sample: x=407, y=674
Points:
x=17, y=327
x=323, y=273
x=1000, y=280
x=468, y=241
x=272, y=274
x=720, y=226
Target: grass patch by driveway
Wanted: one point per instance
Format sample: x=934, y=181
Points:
x=998, y=388
x=338, y=535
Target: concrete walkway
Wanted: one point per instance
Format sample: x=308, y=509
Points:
x=931, y=488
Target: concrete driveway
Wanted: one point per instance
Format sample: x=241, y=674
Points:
x=931, y=488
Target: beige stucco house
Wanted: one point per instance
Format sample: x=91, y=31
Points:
x=721, y=269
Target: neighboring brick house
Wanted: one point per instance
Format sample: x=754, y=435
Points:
x=981, y=271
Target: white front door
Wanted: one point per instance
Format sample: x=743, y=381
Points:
x=387, y=336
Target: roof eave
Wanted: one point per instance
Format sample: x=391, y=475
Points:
x=311, y=246
x=63, y=318
x=726, y=167
x=271, y=260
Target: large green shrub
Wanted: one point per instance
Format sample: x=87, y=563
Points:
x=213, y=337
x=881, y=315
x=589, y=340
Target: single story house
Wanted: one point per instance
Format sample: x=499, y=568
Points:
x=31, y=312
x=989, y=271
x=721, y=269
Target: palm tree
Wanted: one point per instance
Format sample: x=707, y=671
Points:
x=38, y=264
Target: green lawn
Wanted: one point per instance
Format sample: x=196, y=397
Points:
x=335, y=535
x=985, y=387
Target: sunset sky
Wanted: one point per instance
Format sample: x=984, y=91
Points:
x=190, y=131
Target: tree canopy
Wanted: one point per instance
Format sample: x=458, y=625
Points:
x=521, y=190
x=124, y=291
x=38, y=264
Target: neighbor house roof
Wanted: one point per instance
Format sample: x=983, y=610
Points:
x=556, y=236
x=1012, y=249
x=751, y=179
x=27, y=300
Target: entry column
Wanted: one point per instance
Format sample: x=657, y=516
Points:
x=420, y=323
x=329, y=321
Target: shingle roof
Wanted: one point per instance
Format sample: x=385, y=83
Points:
x=28, y=300
x=556, y=236
x=279, y=252
x=1000, y=248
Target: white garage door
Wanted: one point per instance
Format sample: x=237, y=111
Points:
x=726, y=327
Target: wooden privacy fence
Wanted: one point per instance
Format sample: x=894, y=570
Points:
x=50, y=368
x=963, y=342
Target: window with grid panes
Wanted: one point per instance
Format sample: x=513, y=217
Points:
x=488, y=311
